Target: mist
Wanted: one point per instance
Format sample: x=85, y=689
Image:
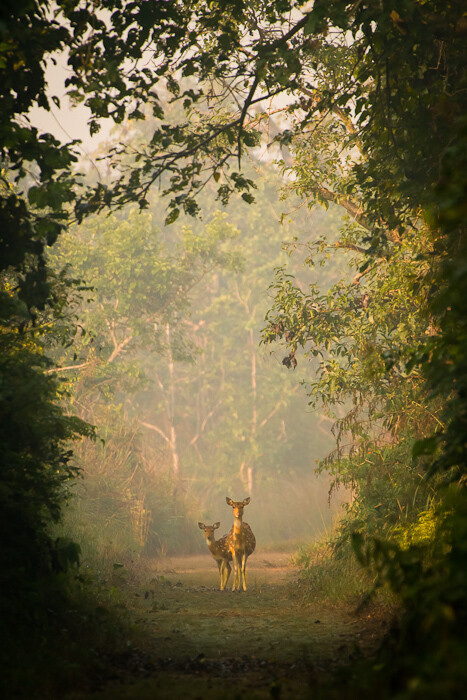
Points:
x=190, y=405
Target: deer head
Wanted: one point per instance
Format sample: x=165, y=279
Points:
x=209, y=530
x=237, y=506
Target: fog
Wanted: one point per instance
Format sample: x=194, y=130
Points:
x=168, y=363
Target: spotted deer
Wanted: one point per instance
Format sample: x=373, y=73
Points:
x=241, y=542
x=219, y=551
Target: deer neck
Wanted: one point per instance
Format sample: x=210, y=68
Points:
x=237, y=526
x=212, y=545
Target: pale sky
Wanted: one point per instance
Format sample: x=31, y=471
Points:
x=68, y=122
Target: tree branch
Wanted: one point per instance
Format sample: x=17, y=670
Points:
x=355, y=212
x=158, y=431
x=118, y=349
x=270, y=415
x=246, y=104
x=65, y=369
x=204, y=423
x=352, y=246
x=345, y=119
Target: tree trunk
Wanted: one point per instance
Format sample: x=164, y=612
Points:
x=254, y=410
x=171, y=407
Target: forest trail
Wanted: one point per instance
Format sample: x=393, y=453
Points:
x=262, y=643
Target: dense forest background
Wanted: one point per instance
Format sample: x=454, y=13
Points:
x=258, y=287
x=167, y=362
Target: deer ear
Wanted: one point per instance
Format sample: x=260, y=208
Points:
x=216, y=525
x=229, y=501
x=201, y=525
x=246, y=501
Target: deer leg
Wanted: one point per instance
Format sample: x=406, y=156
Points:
x=244, y=558
x=234, y=563
x=224, y=573
x=221, y=574
x=227, y=570
x=237, y=572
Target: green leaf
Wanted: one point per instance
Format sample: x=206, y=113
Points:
x=426, y=446
x=172, y=216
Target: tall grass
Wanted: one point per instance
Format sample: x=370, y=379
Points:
x=332, y=575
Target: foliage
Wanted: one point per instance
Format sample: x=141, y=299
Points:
x=38, y=185
x=334, y=578
x=132, y=321
x=37, y=471
x=181, y=311
x=356, y=333
x=428, y=569
x=81, y=622
x=429, y=576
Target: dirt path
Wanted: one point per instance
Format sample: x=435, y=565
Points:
x=204, y=643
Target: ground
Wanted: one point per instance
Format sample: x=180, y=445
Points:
x=204, y=643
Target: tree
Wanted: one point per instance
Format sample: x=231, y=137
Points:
x=37, y=469
x=38, y=190
x=167, y=365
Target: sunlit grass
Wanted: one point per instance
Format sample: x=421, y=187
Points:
x=335, y=577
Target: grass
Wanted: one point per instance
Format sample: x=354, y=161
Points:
x=335, y=577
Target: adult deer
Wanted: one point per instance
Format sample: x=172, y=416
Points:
x=219, y=551
x=241, y=542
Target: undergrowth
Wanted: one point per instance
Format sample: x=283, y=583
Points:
x=333, y=576
x=68, y=639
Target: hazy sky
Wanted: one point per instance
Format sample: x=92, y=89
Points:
x=68, y=122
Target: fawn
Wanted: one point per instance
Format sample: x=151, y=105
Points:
x=219, y=551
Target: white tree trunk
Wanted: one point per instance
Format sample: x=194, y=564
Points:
x=171, y=407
